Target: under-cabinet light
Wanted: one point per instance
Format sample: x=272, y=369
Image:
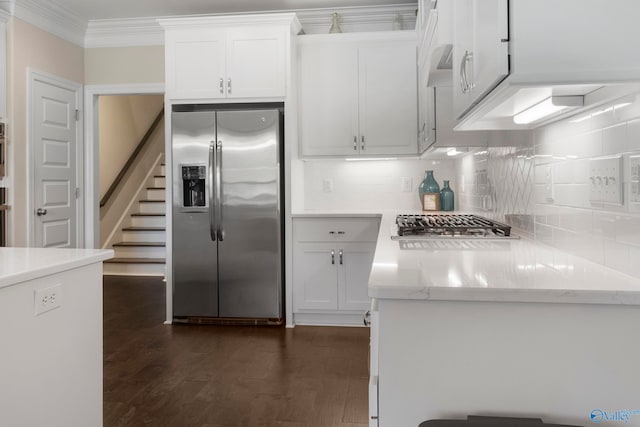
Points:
x=358, y=159
x=547, y=107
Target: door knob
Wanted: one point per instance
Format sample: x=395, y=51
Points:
x=41, y=212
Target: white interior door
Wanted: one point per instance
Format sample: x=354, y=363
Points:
x=54, y=162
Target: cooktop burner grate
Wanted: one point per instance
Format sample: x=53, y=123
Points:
x=450, y=224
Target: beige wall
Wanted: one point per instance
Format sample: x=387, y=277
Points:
x=31, y=47
x=123, y=122
x=120, y=65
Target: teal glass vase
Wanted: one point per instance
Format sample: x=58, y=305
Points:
x=429, y=187
x=446, y=197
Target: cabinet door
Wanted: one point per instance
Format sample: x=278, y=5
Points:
x=315, y=276
x=354, y=266
x=195, y=64
x=462, y=57
x=328, y=99
x=388, y=103
x=491, y=48
x=481, y=56
x=427, y=115
x=256, y=62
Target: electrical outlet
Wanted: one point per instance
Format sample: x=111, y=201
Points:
x=634, y=165
x=405, y=184
x=606, y=180
x=327, y=185
x=47, y=299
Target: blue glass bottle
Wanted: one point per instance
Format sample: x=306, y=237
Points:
x=431, y=189
x=446, y=197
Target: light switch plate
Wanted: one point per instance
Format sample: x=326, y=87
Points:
x=634, y=192
x=327, y=185
x=405, y=184
x=606, y=180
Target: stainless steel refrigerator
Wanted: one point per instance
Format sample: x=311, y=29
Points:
x=227, y=219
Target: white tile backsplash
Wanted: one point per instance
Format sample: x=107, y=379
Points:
x=370, y=185
x=545, y=188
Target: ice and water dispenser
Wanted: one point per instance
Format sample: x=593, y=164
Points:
x=194, y=186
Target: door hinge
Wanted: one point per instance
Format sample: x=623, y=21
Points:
x=77, y=193
x=77, y=115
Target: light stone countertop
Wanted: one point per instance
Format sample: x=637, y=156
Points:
x=21, y=264
x=491, y=270
x=336, y=214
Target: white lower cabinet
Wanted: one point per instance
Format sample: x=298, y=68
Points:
x=331, y=264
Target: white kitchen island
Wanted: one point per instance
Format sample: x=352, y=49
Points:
x=51, y=334
x=506, y=328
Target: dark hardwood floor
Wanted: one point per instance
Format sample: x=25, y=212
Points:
x=189, y=375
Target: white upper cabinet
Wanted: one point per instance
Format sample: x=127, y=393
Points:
x=480, y=50
x=242, y=56
x=388, y=98
x=358, y=94
x=510, y=55
x=328, y=112
x=195, y=64
x=256, y=63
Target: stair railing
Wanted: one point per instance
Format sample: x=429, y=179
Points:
x=130, y=162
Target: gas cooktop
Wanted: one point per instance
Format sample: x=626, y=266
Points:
x=466, y=226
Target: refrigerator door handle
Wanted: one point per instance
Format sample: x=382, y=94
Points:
x=212, y=213
x=218, y=158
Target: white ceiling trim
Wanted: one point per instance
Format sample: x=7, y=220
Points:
x=147, y=31
x=65, y=24
x=124, y=32
x=49, y=17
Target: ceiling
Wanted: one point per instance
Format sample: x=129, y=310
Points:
x=119, y=9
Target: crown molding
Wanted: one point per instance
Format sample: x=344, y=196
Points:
x=358, y=19
x=48, y=16
x=124, y=32
x=149, y=32
x=64, y=23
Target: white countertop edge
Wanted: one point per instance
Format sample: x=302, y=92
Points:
x=336, y=215
x=85, y=257
x=555, y=296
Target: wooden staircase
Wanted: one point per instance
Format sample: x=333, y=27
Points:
x=142, y=251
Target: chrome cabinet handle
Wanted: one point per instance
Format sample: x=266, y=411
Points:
x=367, y=318
x=332, y=232
x=463, y=82
x=362, y=142
x=341, y=232
x=221, y=85
x=467, y=62
x=212, y=212
x=340, y=254
x=355, y=142
x=333, y=257
x=220, y=230
x=229, y=86
x=41, y=212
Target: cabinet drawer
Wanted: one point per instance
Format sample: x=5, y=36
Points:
x=336, y=230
